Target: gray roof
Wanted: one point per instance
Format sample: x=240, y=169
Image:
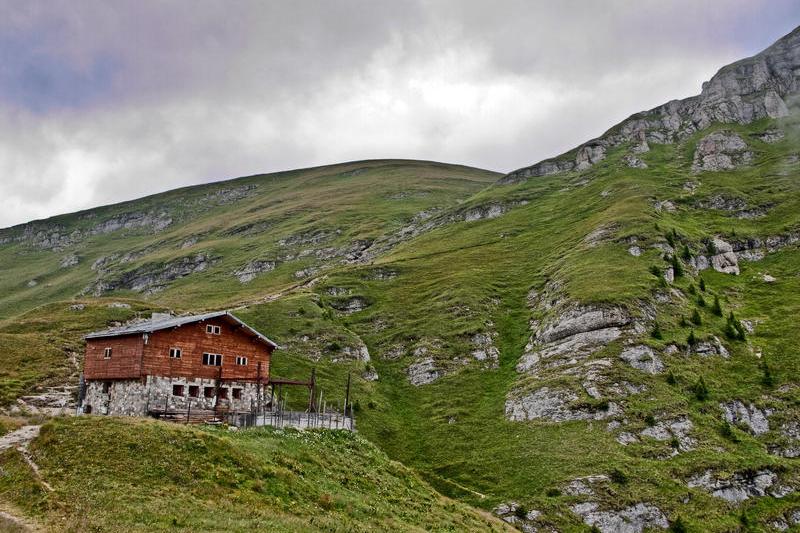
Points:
x=159, y=322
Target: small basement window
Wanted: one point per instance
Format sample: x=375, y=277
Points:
x=175, y=353
x=212, y=359
x=107, y=353
x=214, y=330
x=223, y=393
x=194, y=391
x=241, y=360
x=237, y=394
x=177, y=390
x=208, y=392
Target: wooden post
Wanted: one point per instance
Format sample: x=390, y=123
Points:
x=347, y=396
x=189, y=410
x=311, y=386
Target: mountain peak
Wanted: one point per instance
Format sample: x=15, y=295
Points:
x=749, y=89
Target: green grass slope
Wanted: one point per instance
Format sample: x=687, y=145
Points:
x=136, y=475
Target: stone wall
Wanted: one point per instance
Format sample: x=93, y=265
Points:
x=136, y=398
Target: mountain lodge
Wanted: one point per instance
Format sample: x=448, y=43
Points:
x=212, y=361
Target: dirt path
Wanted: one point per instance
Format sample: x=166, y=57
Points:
x=19, y=438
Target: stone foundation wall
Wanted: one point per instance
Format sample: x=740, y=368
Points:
x=135, y=398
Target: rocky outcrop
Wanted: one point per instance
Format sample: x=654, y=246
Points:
x=69, y=261
x=720, y=151
x=248, y=272
x=423, y=372
x=513, y=513
x=633, y=162
x=709, y=348
x=350, y=305
x=724, y=260
x=633, y=519
x=737, y=206
x=484, y=349
x=745, y=91
x=747, y=415
x=556, y=405
x=740, y=486
x=229, y=194
x=643, y=358
x=153, y=277
x=675, y=430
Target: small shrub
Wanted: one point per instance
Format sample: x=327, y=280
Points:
x=726, y=430
x=301, y=311
x=333, y=347
x=692, y=289
x=650, y=420
x=686, y=254
x=677, y=266
x=654, y=270
x=553, y=493
x=711, y=248
x=326, y=501
x=671, y=238
x=371, y=405
x=702, y=284
x=696, y=319
x=674, y=443
x=671, y=379
x=701, y=301
x=520, y=512
x=691, y=340
x=700, y=390
x=656, y=332
x=716, y=308
x=678, y=526
x=766, y=378
x=683, y=322
x=618, y=476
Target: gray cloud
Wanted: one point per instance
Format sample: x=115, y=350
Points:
x=101, y=102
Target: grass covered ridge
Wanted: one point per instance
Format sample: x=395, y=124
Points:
x=139, y=475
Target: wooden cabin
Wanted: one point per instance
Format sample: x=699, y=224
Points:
x=212, y=361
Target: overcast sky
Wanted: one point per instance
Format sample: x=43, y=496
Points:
x=107, y=101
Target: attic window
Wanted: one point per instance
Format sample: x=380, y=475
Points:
x=107, y=353
x=213, y=330
x=175, y=353
x=212, y=359
x=242, y=361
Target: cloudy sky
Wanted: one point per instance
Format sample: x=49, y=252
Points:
x=105, y=101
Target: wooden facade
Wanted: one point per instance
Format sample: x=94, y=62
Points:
x=245, y=354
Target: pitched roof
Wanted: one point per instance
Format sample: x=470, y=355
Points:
x=158, y=323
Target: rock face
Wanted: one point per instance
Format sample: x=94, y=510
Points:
x=423, y=372
x=554, y=405
x=752, y=417
x=678, y=429
x=633, y=519
x=737, y=488
x=510, y=513
x=724, y=260
x=252, y=269
x=742, y=92
x=720, y=151
x=153, y=277
x=643, y=358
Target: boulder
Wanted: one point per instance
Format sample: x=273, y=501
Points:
x=423, y=372
x=643, y=358
x=633, y=519
x=739, y=413
x=720, y=151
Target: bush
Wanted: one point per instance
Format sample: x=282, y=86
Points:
x=726, y=430
x=618, y=476
x=691, y=340
x=701, y=301
x=692, y=289
x=671, y=379
x=766, y=379
x=650, y=420
x=702, y=284
x=716, y=308
x=678, y=526
x=671, y=238
x=686, y=254
x=553, y=492
x=701, y=390
x=683, y=322
x=711, y=248
x=696, y=319
x=656, y=332
x=654, y=270
x=734, y=329
x=520, y=512
x=677, y=266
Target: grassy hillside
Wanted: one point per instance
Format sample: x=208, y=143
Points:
x=567, y=348
x=136, y=475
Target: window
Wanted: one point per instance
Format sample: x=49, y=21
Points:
x=212, y=359
x=106, y=387
x=177, y=390
x=194, y=391
x=107, y=353
x=237, y=394
x=175, y=353
x=223, y=393
x=241, y=360
x=208, y=392
x=214, y=330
